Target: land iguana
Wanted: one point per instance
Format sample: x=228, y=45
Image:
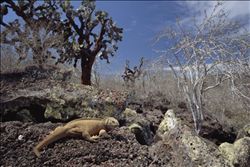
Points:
x=90, y=130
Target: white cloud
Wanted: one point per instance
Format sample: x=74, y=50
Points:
x=235, y=8
x=238, y=8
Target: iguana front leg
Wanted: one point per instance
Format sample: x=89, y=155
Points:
x=87, y=137
x=103, y=134
x=95, y=137
x=76, y=131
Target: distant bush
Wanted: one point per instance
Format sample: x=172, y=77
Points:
x=228, y=109
x=9, y=60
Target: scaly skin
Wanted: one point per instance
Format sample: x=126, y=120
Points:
x=89, y=129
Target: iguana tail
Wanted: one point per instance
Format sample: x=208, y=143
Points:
x=57, y=134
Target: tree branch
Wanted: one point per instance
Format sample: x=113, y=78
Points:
x=4, y=24
x=98, y=44
x=72, y=22
x=19, y=11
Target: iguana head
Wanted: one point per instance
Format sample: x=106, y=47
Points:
x=111, y=123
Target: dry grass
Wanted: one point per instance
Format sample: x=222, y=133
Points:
x=9, y=63
x=150, y=82
x=220, y=102
x=227, y=107
x=9, y=60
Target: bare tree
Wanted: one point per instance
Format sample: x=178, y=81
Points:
x=218, y=47
x=130, y=75
x=239, y=74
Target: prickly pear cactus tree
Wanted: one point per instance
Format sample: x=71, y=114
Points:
x=88, y=34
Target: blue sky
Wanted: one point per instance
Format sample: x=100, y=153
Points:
x=143, y=20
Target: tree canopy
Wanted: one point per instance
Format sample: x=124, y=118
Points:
x=88, y=33
x=76, y=34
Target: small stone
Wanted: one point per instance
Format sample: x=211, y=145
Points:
x=20, y=137
x=129, y=112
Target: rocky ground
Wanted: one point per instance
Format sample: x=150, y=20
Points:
x=18, y=139
x=153, y=130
